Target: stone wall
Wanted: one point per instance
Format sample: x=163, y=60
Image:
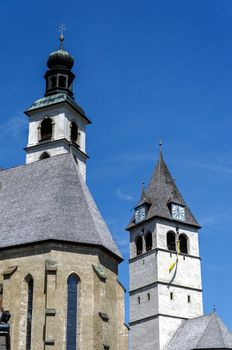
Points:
x=50, y=264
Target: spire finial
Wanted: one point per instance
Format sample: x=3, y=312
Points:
x=214, y=308
x=143, y=187
x=160, y=146
x=62, y=28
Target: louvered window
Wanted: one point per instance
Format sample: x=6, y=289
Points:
x=46, y=129
x=171, y=241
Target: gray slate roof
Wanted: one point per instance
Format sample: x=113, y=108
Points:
x=160, y=192
x=48, y=199
x=60, y=97
x=205, y=332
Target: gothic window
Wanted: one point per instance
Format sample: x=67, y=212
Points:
x=62, y=81
x=74, y=132
x=183, y=244
x=171, y=241
x=148, y=241
x=46, y=129
x=44, y=156
x=29, y=281
x=139, y=245
x=72, y=311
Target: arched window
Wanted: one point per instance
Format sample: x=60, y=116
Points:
x=148, y=241
x=72, y=311
x=62, y=81
x=183, y=244
x=139, y=245
x=44, y=156
x=29, y=281
x=74, y=132
x=171, y=241
x=46, y=129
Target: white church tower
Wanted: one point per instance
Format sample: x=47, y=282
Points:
x=56, y=122
x=165, y=266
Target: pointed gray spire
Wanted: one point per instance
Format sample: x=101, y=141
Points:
x=162, y=191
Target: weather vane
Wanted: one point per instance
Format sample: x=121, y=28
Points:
x=62, y=28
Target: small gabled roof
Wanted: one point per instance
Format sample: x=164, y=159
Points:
x=205, y=332
x=49, y=200
x=144, y=198
x=160, y=192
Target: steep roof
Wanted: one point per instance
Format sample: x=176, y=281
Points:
x=160, y=192
x=205, y=332
x=46, y=200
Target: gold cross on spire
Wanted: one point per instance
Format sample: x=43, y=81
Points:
x=62, y=28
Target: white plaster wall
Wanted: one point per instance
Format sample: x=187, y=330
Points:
x=34, y=155
x=179, y=306
x=162, y=229
x=143, y=271
x=167, y=328
x=145, y=336
x=186, y=273
x=147, y=307
x=153, y=266
x=62, y=117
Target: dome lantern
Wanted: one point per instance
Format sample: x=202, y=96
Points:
x=59, y=77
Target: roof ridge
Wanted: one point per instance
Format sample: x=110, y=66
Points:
x=176, y=332
x=82, y=187
x=34, y=162
x=85, y=190
x=219, y=326
x=211, y=315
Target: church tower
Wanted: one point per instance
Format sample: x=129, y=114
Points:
x=58, y=260
x=57, y=124
x=165, y=266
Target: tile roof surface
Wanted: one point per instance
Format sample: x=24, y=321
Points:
x=48, y=199
x=160, y=192
x=205, y=332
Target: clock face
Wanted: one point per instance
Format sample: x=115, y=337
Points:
x=178, y=212
x=140, y=214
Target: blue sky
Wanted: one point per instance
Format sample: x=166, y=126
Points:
x=145, y=70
